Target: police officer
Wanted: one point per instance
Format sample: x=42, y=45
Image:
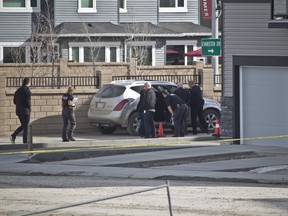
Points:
x=179, y=112
x=196, y=103
x=68, y=115
x=182, y=93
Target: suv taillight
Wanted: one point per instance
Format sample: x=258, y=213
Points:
x=121, y=105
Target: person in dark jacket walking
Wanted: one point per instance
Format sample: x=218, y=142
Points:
x=196, y=104
x=68, y=114
x=149, y=102
x=179, y=112
x=22, y=100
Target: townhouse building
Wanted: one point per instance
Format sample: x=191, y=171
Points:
x=156, y=32
x=255, y=71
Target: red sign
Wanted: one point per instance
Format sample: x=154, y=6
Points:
x=206, y=9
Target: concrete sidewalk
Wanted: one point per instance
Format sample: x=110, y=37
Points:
x=206, y=159
x=91, y=139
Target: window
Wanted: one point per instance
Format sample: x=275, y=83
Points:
x=174, y=55
x=96, y=54
x=280, y=9
x=14, y=54
x=20, y=5
x=143, y=54
x=173, y=5
x=75, y=54
x=113, y=54
x=87, y=6
x=279, y=15
x=35, y=53
x=122, y=6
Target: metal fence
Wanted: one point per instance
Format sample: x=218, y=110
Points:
x=171, y=78
x=108, y=198
x=55, y=82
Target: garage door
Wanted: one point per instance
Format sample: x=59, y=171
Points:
x=264, y=105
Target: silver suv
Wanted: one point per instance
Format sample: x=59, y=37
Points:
x=114, y=105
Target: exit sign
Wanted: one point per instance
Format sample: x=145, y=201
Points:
x=211, y=47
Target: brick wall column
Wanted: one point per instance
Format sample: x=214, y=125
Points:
x=3, y=128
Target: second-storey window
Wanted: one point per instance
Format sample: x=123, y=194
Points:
x=122, y=6
x=87, y=6
x=173, y=5
x=19, y=5
x=14, y=3
x=280, y=9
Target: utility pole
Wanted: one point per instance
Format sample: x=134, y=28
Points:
x=215, y=32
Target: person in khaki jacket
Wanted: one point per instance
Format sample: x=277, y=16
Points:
x=68, y=115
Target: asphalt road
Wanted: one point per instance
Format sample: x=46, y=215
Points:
x=206, y=177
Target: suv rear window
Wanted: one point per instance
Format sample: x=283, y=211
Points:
x=110, y=91
x=137, y=88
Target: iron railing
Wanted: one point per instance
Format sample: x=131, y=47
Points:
x=55, y=82
x=107, y=198
x=171, y=78
x=217, y=79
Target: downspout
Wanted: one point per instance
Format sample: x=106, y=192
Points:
x=158, y=15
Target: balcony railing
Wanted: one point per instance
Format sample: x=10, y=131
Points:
x=170, y=78
x=55, y=82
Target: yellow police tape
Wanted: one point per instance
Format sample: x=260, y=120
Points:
x=142, y=145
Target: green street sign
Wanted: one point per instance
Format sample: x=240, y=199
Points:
x=211, y=47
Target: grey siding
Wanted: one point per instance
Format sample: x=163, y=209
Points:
x=15, y=27
x=67, y=11
x=246, y=32
x=140, y=11
x=191, y=16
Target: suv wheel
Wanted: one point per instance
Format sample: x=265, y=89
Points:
x=210, y=117
x=133, y=124
x=107, y=130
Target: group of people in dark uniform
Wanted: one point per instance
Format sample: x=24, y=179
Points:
x=179, y=103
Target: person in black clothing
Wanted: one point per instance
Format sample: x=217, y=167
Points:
x=196, y=104
x=185, y=96
x=149, y=102
x=179, y=112
x=182, y=93
x=141, y=130
x=22, y=100
x=68, y=114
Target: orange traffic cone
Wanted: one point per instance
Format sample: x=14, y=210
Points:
x=160, y=130
x=217, y=129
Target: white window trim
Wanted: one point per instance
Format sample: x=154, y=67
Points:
x=175, y=9
x=107, y=45
x=87, y=10
x=123, y=10
x=27, y=9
